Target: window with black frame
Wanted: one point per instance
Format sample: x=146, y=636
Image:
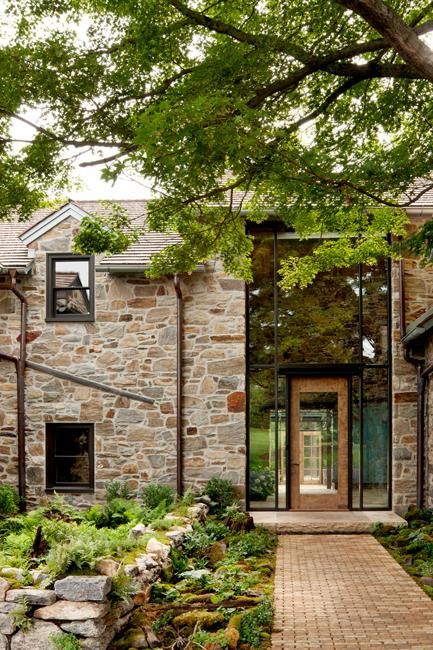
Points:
x=70, y=287
x=340, y=320
x=69, y=457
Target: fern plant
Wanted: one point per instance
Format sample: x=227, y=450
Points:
x=20, y=615
x=62, y=641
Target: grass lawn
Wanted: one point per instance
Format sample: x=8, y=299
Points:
x=259, y=445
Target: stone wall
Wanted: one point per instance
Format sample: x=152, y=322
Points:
x=418, y=286
x=131, y=345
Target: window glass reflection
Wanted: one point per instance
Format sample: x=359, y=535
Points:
x=261, y=300
x=263, y=428
x=375, y=438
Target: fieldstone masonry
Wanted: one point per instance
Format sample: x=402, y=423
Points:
x=131, y=345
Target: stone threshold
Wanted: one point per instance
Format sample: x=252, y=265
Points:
x=350, y=522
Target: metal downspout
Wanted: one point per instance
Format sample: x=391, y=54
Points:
x=179, y=384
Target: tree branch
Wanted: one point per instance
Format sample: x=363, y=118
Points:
x=396, y=32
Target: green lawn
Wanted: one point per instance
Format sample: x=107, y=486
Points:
x=259, y=445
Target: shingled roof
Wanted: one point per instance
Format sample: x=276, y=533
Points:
x=15, y=235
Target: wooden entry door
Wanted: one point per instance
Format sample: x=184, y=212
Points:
x=319, y=443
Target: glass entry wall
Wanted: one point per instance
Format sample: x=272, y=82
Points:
x=339, y=326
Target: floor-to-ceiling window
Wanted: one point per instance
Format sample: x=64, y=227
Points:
x=340, y=325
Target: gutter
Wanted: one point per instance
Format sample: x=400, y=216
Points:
x=20, y=366
x=179, y=383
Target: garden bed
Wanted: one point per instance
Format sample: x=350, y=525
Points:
x=155, y=572
x=412, y=546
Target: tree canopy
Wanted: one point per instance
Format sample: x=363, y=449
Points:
x=321, y=111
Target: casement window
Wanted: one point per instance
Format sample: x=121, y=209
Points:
x=69, y=457
x=70, y=287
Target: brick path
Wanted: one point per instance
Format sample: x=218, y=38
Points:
x=347, y=592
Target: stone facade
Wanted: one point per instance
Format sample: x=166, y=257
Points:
x=418, y=290
x=131, y=345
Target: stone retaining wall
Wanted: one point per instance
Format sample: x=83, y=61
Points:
x=81, y=604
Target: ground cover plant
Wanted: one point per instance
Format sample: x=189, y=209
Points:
x=412, y=547
x=214, y=593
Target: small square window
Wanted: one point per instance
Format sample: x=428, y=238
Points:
x=69, y=457
x=70, y=287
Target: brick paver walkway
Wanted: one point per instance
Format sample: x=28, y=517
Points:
x=346, y=591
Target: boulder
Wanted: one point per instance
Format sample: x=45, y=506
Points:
x=39, y=576
x=7, y=626
x=4, y=587
x=138, y=531
x=12, y=572
x=7, y=608
x=108, y=567
x=131, y=570
x=426, y=581
x=91, y=627
x=4, y=643
x=36, y=638
x=66, y=610
x=33, y=596
x=101, y=643
x=199, y=511
x=157, y=550
x=83, y=588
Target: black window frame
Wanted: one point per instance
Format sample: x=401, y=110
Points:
x=51, y=429
x=51, y=315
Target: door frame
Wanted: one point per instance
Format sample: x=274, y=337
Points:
x=322, y=371
x=326, y=502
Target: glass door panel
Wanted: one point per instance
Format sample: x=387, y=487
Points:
x=319, y=468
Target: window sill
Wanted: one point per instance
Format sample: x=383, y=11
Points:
x=75, y=490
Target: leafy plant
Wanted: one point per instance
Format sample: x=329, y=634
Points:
x=20, y=615
x=122, y=587
x=117, y=489
x=262, y=483
x=179, y=561
x=154, y=494
x=255, y=543
x=63, y=641
x=9, y=500
x=254, y=622
x=222, y=494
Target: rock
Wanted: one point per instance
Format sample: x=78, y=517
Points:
x=206, y=620
x=4, y=587
x=7, y=608
x=7, y=626
x=152, y=640
x=39, y=576
x=134, y=638
x=146, y=562
x=108, y=567
x=131, y=570
x=85, y=628
x=137, y=531
x=33, y=596
x=4, y=643
x=216, y=552
x=83, y=588
x=158, y=550
x=199, y=511
x=98, y=644
x=204, y=499
x=142, y=597
x=65, y=610
x=121, y=623
x=195, y=574
x=12, y=572
x=177, y=536
x=426, y=581
x=124, y=606
x=36, y=638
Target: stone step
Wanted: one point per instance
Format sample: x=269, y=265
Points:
x=321, y=523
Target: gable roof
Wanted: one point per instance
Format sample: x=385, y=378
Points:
x=15, y=236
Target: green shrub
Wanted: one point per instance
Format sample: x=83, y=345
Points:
x=63, y=641
x=254, y=623
x=253, y=544
x=262, y=483
x=222, y=494
x=9, y=500
x=117, y=490
x=155, y=494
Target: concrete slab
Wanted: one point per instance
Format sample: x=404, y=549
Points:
x=326, y=522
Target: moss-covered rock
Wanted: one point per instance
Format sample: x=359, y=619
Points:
x=206, y=620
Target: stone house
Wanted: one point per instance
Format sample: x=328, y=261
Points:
x=314, y=399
